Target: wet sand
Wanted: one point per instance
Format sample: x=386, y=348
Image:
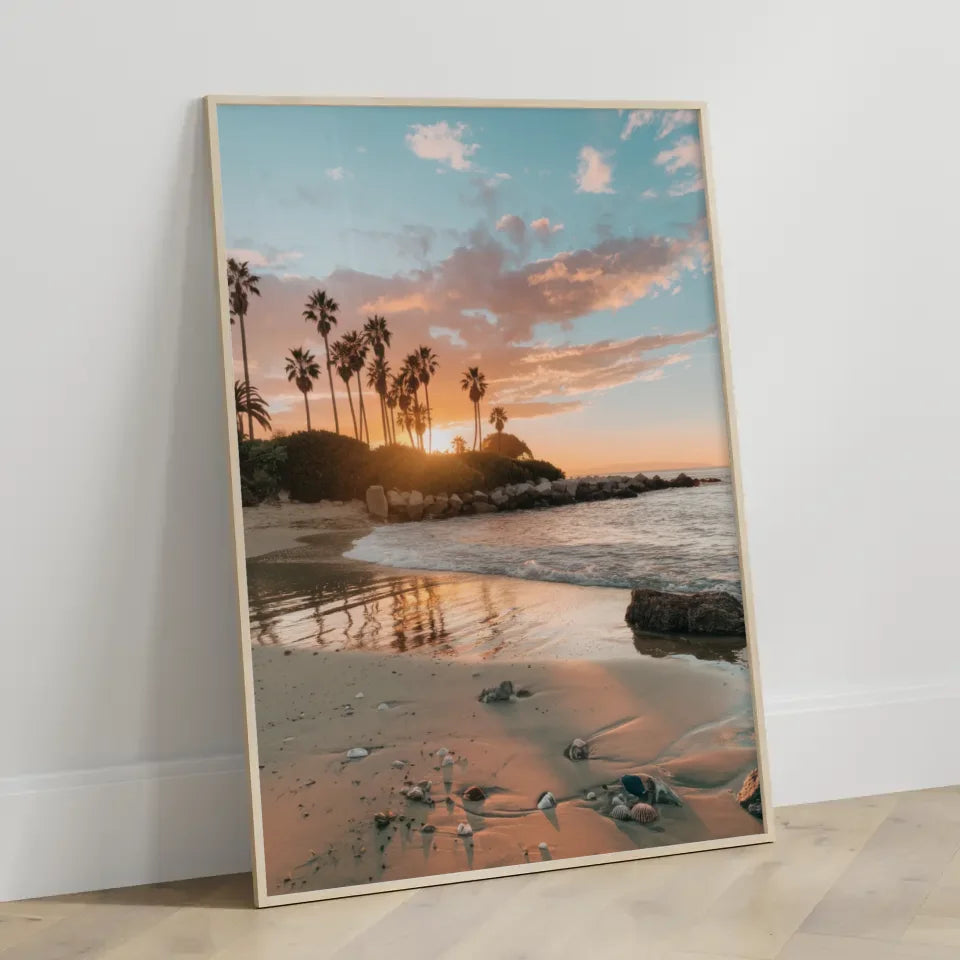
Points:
x=420, y=647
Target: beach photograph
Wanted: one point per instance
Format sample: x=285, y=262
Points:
x=494, y=585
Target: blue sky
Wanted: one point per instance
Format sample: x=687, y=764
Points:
x=524, y=240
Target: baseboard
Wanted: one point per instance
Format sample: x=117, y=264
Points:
x=149, y=823
x=122, y=826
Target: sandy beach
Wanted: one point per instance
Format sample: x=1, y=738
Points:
x=349, y=654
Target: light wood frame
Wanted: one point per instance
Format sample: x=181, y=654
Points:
x=262, y=897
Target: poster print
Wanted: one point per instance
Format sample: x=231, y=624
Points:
x=494, y=610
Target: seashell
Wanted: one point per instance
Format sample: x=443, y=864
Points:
x=543, y=848
x=643, y=813
x=357, y=753
x=464, y=830
x=383, y=706
x=358, y=696
x=428, y=828
x=577, y=750
x=475, y=794
x=398, y=764
x=620, y=812
x=641, y=785
x=546, y=801
x=591, y=796
x=448, y=761
x=425, y=785
x=503, y=691
x=441, y=752
x=413, y=793
x=618, y=799
x=663, y=794
x=384, y=819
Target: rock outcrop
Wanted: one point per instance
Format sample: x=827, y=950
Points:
x=401, y=506
x=710, y=612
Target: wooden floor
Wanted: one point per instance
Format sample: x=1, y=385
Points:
x=877, y=878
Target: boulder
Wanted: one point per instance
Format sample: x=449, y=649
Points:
x=709, y=612
x=415, y=505
x=543, y=488
x=481, y=506
x=682, y=480
x=394, y=500
x=498, y=497
x=454, y=504
x=749, y=795
x=480, y=495
x=466, y=497
x=377, y=505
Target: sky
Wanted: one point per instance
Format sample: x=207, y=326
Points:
x=563, y=251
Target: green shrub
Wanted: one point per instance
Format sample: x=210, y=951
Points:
x=261, y=468
x=325, y=466
x=506, y=445
x=408, y=469
x=498, y=471
x=543, y=468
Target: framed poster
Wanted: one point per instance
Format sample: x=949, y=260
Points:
x=494, y=604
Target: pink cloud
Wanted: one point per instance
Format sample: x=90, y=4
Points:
x=672, y=119
x=542, y=227
x=442, y=142
x=513, y=226
x=635, y=120
x=594, y=174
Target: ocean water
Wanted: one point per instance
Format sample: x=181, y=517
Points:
x=682, y=539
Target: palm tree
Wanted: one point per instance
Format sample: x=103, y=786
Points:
x=499, y=418
x=377, y=334
x=321, y=311
x=405, y=419
x=342, y=358
x=247, y=400
x=241, y=283
x=357, y=347
x=459, y=445
x=377, y=373
x=302, y=369
x=419, y=412
x=428, y=367
x=476, y=383
x=392, y=399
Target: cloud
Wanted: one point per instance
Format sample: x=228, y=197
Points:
x=684, y=153
x=648, y=194
x=446, y=333
x=683, y=187
x=543, y=227
x=442, y=142
x=513, y=226
x=411, y=240
x=672, y=119
x=577, y=369
x=268, y=258
x=635, y=120
x=593, y=172
x=335, y=173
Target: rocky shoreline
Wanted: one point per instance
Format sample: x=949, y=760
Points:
x=396, y=506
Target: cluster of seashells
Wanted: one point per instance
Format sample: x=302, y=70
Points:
x=635, y=801
x=419, y=791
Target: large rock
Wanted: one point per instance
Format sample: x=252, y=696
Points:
x=454, y=504
x=377, y=505
x=710, y=612
x=415, y=505
x=682, y=480
x=543, y=488
x=481, y=506
x=394, y=500
x=479, y=495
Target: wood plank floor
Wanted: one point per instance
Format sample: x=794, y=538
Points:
x=876, y=878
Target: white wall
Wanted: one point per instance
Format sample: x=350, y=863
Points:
x=835, y=154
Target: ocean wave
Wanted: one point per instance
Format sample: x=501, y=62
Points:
x=666, y=544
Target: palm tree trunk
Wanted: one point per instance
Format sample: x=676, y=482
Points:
x=479, y=427
x=410, y=435
x=356, y=432
x=363, y=413
x=383, y=418
x=333, y=396
x=306, y=406
x=246, y=374
x=426, y=397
